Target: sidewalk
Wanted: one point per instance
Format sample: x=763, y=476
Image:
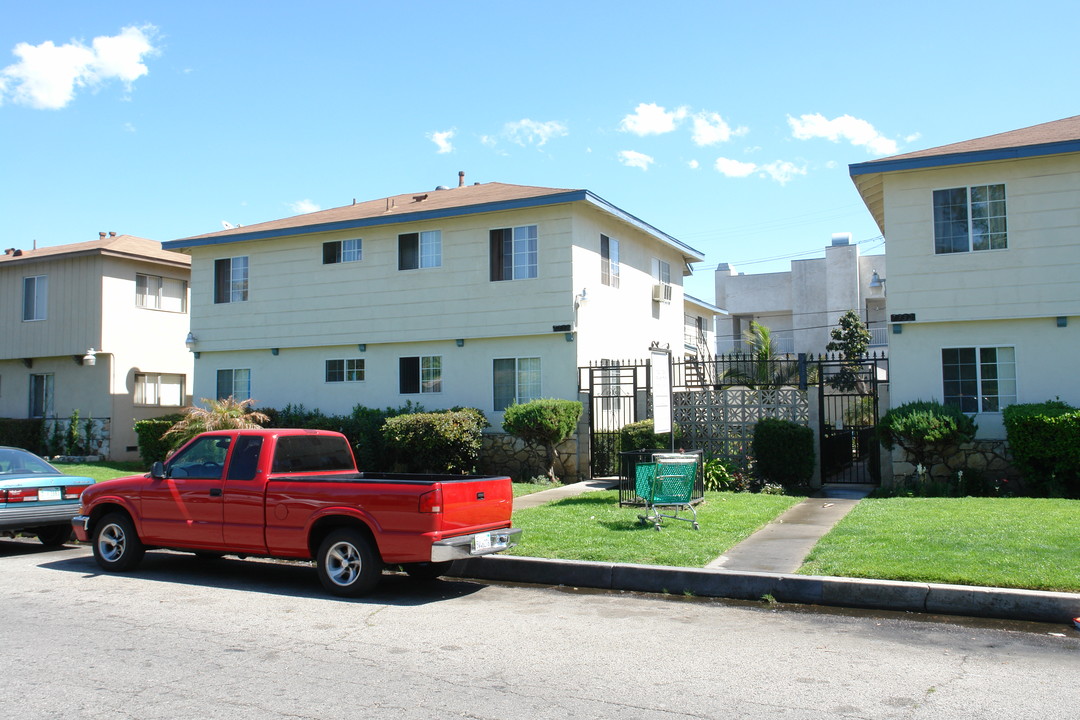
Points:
x=763, y=565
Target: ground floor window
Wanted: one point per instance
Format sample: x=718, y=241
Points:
x=421, y=374
x=41, y=395
x=234, y=383
x=160, y=389
x=979, y=379
x=347, y=370
x=515, y=380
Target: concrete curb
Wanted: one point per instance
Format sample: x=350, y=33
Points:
x=1004, y=603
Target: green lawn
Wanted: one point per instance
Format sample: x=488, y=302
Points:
x=593, y=527
x=101, y=470
x=1001, y=542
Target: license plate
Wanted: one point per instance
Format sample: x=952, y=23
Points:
x=487, y=541
x=46, y=494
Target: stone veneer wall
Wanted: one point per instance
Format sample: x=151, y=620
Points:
x=990, y=457
x=504, y=454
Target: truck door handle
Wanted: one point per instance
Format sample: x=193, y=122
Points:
x=215, y=492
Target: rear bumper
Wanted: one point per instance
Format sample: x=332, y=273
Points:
x=466, y=546
x=33, y=515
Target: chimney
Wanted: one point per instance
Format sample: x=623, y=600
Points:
x=101, y=236
x=461, y=178
x=112, y=234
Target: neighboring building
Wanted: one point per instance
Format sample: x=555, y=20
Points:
x=984, y=253
x=480, y=295
x=699, y=328
x=96, y=327
x=801, y=307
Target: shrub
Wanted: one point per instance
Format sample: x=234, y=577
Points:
x=545, y=422
x=153, y=445
x=925, y=429
x=446, y=441
x=640, y=436
x=1044, y=439
x=725, y=475
x=28, y=434
x=784, y=451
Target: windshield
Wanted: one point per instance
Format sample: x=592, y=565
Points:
x=20, y=462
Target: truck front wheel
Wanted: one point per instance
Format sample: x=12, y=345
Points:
x=116, y=544
x=347, y=564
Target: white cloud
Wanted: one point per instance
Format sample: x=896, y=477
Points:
x=782, y=171
x=652, y=119
x=710, y=129
x=442, y=140
x=300, y=207
x=857, y=132
x=47, y=76
x=693, y=164
x=531, y=132
x=631, y=158
x=734, y=168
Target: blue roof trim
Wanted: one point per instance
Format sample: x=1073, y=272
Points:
x=421, y=215
x=962, y=158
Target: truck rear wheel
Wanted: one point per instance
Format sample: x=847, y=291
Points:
x=347, y=564
x=117, y=546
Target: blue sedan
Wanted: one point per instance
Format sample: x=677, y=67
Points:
x=36, y=498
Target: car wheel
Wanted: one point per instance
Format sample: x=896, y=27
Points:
x=116, y=544
x=427, y=571
x=347, y=564
x=54, y=535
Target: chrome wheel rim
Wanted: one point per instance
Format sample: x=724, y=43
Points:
x=343, y=564
x=111, y=542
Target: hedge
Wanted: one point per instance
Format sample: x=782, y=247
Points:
x=1044, y=439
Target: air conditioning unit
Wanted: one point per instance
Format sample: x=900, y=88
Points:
x=661, y=292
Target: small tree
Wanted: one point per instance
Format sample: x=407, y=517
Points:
x=850, y=338
x=227, y=414
x=545, y=422
x=925, y=429
x=765, y=368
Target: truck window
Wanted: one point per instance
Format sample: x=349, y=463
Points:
x=204, y=458
x=245, y=457
x=312, y=453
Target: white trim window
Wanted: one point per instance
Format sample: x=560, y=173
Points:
x=234, y=383
x=515, y=380
x=231, y=280
x=35, y=297
x=609, y=261
x=345, y=370
x=420, y=374
x=41, y=395
x=343, y=251
x=970, y=219
x=514, y=253
x=155, y=292
x=979, y=379
x=159, y=389
x=420, y=250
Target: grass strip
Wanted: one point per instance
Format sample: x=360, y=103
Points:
x=593, y=527
x=1031, y=543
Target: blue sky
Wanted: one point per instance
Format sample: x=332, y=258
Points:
x=727, y=125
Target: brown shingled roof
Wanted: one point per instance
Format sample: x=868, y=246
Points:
x=389, y=207
x=1050, y=132
x=118, y=246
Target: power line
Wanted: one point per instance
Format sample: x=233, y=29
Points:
x=793, y=256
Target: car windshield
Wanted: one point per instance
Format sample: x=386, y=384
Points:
x=20, y=462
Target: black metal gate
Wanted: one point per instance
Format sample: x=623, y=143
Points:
x=618, y=395
x=847, y=413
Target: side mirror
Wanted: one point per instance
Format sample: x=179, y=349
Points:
x=157, y=470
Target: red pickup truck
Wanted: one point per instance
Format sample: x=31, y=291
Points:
x=296, y=494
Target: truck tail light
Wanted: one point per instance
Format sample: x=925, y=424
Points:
x=72, y=492
x=15, y=495
x=431, y=501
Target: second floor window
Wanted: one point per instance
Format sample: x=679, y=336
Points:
x=609, y=261
x=160, y=293
x=420, y=250
x=231, y=280
x=420, y=374
x=234, y=383
x=513, y=253
x=342, y=251
x=970, y=219
x=35, y=297
x=161, y=389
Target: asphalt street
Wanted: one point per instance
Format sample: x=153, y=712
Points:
x=189, y=638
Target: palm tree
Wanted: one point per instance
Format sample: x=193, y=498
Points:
x=226, y=414
x=764, y=368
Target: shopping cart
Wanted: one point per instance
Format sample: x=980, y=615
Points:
x=667, y=482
